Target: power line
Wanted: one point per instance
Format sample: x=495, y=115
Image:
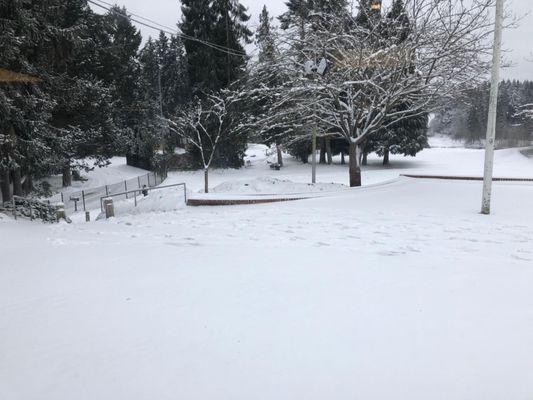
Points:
x=214, y=46
x=139, y=16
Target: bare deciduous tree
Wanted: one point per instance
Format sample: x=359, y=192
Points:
x=375, y=79
x=204, y=126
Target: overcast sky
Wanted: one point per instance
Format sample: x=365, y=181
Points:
x=518, y=41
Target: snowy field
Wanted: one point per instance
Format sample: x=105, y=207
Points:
x=399, y=290
x=444, y=158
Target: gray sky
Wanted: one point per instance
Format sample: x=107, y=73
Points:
x=518, y=41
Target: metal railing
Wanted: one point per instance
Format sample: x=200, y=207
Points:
x=142, y=191
x=84, y=200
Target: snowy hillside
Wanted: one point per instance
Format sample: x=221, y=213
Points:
x=391, y=291
x=117, y=171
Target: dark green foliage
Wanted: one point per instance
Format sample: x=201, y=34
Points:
x=222, y=23
x=147, y=127
x=300, y=149
x=174, y=76
x=302, y=12
x=265, y=40
x=409, y=135
x=367, y=16
x=221, y=62
x=397, y=24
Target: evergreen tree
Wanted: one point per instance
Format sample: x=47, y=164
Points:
x=147, y=127
x=265, y=40
x=468, y=119
x=230, y=31
x=198, y=21
x=24, y=107
x=55, y=40
x=296, y=15
x=369, y=13
x=174, y=75
x=216, y=58
x=409, y=136
x=302, y=12
x=83, y=128
x=397, y=24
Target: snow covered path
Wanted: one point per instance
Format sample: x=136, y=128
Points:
x=395, y=291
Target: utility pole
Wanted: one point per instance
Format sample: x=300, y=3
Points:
x=313, y=154
x=493, y=107
x=164, y=129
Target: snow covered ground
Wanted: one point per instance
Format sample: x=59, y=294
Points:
x=443, y=158
x=399, y=290
x=116, y=172
x=274, y=185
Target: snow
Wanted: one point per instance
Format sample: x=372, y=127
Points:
x=396, y=290
x=274, y=185
x=443, y=158
x=116, y=172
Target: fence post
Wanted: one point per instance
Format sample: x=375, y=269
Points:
x=138, y=182
x=135, y=194
x=14, y=208
x=148, y=177
x=62, y=199
x=109, y=208
x=83, y=199
x=106, y=190
x=126, y=189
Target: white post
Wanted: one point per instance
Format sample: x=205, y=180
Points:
x=313, y=156
x=493, y=107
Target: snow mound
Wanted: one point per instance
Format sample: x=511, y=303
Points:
x=445, y=142
x=165, y=200
x=268, y=185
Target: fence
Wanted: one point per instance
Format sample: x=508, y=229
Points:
x=142, y=192
x=89, y=199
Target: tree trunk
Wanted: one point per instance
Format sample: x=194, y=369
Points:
x=365, y=158
x=355, y=166
x=27, y=186
x=343, y=160
x=386, y=157
x=328, y=151
x=206, y=180
x=5, y=186
x=280, y=155
x=67, y=176
x=17, y=182
x=322, y=151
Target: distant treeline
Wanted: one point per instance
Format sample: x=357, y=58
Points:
x=465, y=118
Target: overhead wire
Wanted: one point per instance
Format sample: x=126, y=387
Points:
x=160, y=27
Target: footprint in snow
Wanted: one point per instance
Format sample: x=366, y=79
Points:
x=520, y=258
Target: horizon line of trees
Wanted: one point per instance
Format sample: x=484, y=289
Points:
x=465, y=117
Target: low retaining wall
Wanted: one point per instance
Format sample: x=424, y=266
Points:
x=236, y=202
x=467, y=178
